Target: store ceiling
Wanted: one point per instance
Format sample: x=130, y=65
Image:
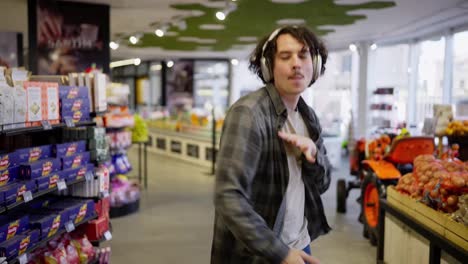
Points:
x=340, y=22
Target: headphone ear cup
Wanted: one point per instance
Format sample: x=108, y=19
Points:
x=317, y=67
x=265, y=70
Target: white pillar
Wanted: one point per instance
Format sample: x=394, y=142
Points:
x=448, y=69
x=413, y=83
x=360, y=91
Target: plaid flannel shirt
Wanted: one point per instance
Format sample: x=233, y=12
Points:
x=251, y=179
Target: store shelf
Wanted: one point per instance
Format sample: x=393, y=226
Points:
x=101, y=113
x=27, y=130
x=45, y=241
x=37, y=195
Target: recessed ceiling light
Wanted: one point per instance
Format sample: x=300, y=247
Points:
x=170, y=64
x=114, y=45
x=373, y=46
x=133, y=40
x=234, y=62
x=137, y=61
x=159, y=32
x=352, y=47
x=220, y=15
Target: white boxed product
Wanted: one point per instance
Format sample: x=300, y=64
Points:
x=100, y=100
x=80, y=78
x=7, y=105
x=20, y=106
x=34, y=100
x=52, y=102
x=89, y=82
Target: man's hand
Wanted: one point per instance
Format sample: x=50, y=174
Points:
x=306, y=145
x=296, y=256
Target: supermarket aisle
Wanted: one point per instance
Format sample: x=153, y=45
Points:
x=174, y=224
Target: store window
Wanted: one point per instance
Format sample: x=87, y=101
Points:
x=460, y=73
x=211, y=84
x=430, y=77
x=330, y=96
x=390, y=71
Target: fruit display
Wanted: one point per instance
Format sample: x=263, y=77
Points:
x=377, y=148
x=457, y=128
x=438, y=183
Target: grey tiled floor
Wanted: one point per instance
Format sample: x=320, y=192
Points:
x=174, y=224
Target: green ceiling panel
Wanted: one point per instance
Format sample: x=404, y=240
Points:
x=255, y=18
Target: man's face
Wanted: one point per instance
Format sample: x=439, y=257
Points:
x=292, y=67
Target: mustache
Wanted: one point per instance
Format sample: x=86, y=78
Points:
x=296, y=74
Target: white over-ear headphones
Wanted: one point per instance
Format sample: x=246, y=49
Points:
x=265, y=65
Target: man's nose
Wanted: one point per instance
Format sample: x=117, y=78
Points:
x=295, y=62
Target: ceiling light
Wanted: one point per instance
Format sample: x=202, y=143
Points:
x=159, y=32
x=133, y=40
x=234, y=62
x=114, y=45
x=373, y=46
x=122, y=63
x=170, y=64
x=220, y=15
x=137, y=61
x=352, y=47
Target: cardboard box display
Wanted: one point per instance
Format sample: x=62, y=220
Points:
x=39, y=168
x=73, y=92
x=34, y=101
x=9, y=175
x=52, y=97
x=34, y=154
x=8, y=160
x=75, y=161
x=11, y=226
x=20, y=101
x=22, y=187
x=28, y=240
x=73, y=105
x=68, y=149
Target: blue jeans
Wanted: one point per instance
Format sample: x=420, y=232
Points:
x=307, y=250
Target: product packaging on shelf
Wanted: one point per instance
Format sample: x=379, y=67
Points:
x=9, y=175
x=49, y=182
x=20, y=100
x=78, y=210
x=95, y=229
x=34, y=154
x=39, y=168
x=10, y=226
x=73, y=105
x=14, y=191
x=68, y=149
x=75, y=161
x=73, y=92
x=28, y=240
x=51, y=95
x=8, y=160
x=34, y=102
x=99, y=92
x=48, y=224
x=9, y=249
x=77, y=116
x=7, y=105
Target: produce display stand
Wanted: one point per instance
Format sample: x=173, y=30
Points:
x=412, y=232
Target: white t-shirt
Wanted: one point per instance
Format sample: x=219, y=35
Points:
x=294, y=232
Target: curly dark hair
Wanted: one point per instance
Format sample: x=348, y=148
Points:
x=300, y=33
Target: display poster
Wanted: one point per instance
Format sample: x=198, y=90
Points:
x=179, y=83
x=68, y=37
x=11, y=49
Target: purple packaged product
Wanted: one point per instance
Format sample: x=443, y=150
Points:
x=39, y=168
x=28, y=240
x=78, y=209
x=70, y=174
x=8, y=160
x=11, y=226
x=72, y=105
x=75, y=161
x=55, y=177
x=42, y=183
x=28, y=155
x=9, y=175
x=8, y=192
x=72, y=209
x=72, y=92
x=77, y=116
x=21, y=188
x=9, y=249
x=48, y=225
x=68, y=149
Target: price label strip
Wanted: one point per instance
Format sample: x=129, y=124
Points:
x=27, y=196
x=108, y=235
x=61, y=185
x=89, y=176
x=69, y=122
x=23, y=259
x=46, y=124
x=69, y=226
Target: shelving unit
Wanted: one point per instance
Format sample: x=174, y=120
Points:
x=383, y=108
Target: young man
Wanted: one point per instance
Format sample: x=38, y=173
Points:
x=272, y=165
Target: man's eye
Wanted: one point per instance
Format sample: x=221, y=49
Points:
x=284, y=57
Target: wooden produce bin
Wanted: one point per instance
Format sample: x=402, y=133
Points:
x=415, y=233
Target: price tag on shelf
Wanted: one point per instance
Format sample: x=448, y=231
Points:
x=69, y=226
x=46, y=124
x=3, y=260
x=61, y=185
x=23, y=259
x=27, y=196
x=89, y=176
x=69, y=122
x=108, y=235
x=105, y=194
